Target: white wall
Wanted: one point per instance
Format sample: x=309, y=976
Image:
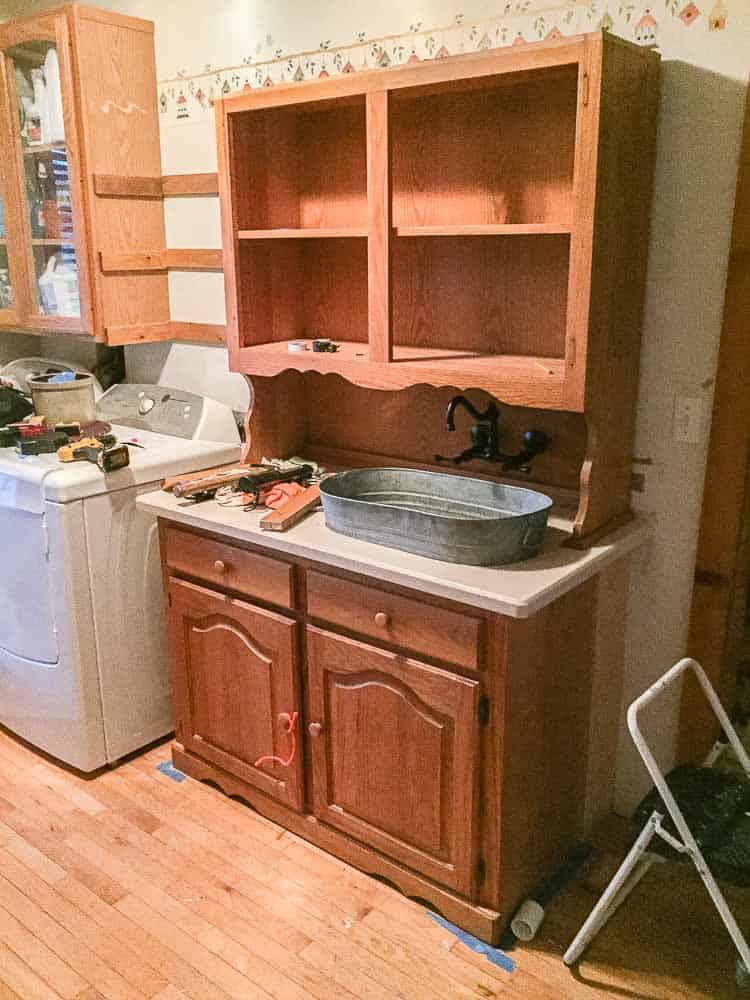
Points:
x=703, y=79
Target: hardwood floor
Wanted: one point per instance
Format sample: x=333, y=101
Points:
x=133, y=885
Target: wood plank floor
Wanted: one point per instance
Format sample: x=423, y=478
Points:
x=133, y=885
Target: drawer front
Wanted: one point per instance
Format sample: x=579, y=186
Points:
x=230, y=567
x=395, y=620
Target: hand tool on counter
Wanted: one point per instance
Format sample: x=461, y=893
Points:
x=265, y=475
x=221, y=475
x=108, y=456
x=46, y=443
x=292, y=511
x=115, y=457
x=31, y=427
x=34, y=426
x=72, y=429
x=248, y=479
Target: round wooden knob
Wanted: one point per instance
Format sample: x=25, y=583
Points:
x=315, y=729
x=220, y=565
x=381, y=619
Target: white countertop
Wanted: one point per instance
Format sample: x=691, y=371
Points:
x=519, y=589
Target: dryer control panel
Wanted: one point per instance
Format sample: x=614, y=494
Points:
x=152, y=408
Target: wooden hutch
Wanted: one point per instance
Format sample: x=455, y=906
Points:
x=477, y=224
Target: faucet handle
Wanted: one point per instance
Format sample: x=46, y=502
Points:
x=535, y=442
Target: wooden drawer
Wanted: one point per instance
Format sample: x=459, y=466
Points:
x=395, y=620
x=232, y=568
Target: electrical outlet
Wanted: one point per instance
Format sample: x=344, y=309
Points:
x=689, y=413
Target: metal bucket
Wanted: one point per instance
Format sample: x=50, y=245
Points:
x=452, y=518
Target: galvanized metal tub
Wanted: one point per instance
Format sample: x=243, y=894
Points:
x=453, y=518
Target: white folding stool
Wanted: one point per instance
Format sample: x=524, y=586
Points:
x=640, y=859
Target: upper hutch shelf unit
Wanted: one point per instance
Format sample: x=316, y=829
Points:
x=478, y=221
x=77, y=100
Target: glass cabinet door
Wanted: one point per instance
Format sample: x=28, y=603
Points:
x=36, y=82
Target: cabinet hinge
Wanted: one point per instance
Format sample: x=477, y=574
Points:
x=585, y=90
x=481, y=872
x=483, y=710
x=169, y=598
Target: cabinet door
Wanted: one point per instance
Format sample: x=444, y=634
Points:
x=44, y=161
x=235, y=681
x=395, y=754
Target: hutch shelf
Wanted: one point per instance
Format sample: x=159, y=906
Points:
x=478, y=222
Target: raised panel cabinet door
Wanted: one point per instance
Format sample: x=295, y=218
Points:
x=394, y=755
x=235, y=681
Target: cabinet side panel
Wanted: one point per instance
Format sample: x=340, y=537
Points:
x=627, y=139
x=276, y=423
x=117, y=80
x=545, y=740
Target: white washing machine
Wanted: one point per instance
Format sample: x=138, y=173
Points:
x=83, y=671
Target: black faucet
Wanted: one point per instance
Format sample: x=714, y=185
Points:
x=485, y=435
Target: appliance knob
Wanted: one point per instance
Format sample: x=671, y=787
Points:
x=381, y=619
x=315, y=729
x=220, y=565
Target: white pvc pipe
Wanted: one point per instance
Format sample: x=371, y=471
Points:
x=528, y=920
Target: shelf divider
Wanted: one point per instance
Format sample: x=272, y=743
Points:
x=379, y=228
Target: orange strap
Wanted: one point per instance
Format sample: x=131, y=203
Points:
x=292, y=730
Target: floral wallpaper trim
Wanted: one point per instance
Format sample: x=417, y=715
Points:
x=191, y=96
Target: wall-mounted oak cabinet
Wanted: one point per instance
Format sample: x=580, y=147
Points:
x=77, y=100
x=446, y=223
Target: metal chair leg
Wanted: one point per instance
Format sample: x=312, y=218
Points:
x=625, y=879
x=722, y=908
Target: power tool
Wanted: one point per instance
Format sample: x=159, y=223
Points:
x=103, y=452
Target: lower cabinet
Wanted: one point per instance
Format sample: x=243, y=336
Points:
x=437, y=746
x=235, y=680
x=394, y=746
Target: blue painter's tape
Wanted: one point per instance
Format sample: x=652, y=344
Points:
x=493, y=955
x=171, y=772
